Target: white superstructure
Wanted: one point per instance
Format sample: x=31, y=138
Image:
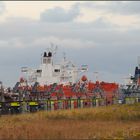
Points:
x=48, y=72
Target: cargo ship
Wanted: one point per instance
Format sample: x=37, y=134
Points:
x=131, y=89
x=62, y=80
x=58, y=86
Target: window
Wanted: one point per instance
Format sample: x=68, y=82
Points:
x=38, y=71
x=56, y=70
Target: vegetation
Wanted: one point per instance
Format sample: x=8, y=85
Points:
x=117, y=122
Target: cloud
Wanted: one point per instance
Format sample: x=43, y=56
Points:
x=126, y=8
x=99, y=32
x=59, y=14
x=103, y=46
x=2, y=7
x=116, y=7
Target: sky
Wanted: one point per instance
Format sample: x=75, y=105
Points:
x=105, y=35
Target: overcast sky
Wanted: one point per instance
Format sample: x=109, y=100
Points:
x=103, y=35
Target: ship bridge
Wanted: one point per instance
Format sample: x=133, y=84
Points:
x=49, y=73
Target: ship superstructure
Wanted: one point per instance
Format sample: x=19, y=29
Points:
x=49, y=73
x=130, y=91
x=132, y=87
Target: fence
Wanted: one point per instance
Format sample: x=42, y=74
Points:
x=49, y=105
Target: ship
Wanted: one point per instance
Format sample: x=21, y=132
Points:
x=63, y=79
x=63, y=85
x=130, y=91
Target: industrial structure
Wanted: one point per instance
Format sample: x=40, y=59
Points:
x=131, y=90
x=58, y=86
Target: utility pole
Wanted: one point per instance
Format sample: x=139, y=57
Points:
x=1, y=92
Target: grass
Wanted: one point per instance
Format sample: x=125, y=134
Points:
x=117, y=122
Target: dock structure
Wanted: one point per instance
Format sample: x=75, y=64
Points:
x=58, y=86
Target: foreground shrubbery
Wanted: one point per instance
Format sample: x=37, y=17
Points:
x=111, y=122
x=116, y=112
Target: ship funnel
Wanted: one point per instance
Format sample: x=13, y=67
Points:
x=136, y=72
x=47, y=57
x=49, y=54
x=45, y=54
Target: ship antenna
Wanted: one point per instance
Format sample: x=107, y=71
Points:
x=96, y=75
x=55, y=50
x=41, y=57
